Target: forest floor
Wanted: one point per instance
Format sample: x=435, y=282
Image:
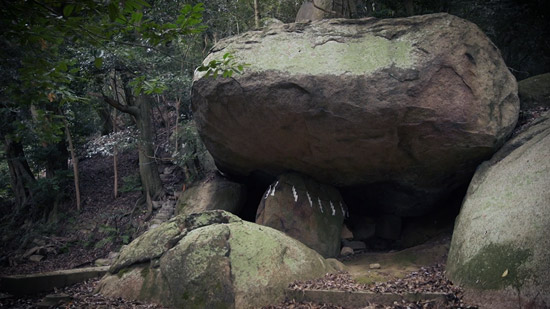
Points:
x=75, y=240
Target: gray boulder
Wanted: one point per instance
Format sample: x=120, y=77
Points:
x=500, y=244
x=211, y=260
x=407, y=106
x=213, y=192
x=306, y=210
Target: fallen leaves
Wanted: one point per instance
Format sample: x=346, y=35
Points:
x=81, y=295
x=429, y=279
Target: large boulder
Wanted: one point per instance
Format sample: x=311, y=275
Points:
x=500, y=244
x=306, y=210
x=211, y=260
x=213, y=192
x=410, y=106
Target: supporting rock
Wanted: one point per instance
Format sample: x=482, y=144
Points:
x=306, y=210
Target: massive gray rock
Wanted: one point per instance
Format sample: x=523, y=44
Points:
x=408, y=106
x=500, y=248
x=211, y=260
x=306, y=210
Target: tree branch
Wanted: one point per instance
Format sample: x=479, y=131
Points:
x=132, y=110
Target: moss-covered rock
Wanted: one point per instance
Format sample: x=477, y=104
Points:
x=500, y=241
x=306, y=210
x=217, y=261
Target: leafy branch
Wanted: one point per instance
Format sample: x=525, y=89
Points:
x=225, y=67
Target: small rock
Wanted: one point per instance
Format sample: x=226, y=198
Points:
x=346, y=251
x=169, y=169
x=36, y=258
x=112, y=255
x=30, y=252
x=54, y=300
x=39, y=242
x=355, y=245
x=102, y=262
x=157, y=204
x=339, y=266
x=374, y=266
x=346, y=233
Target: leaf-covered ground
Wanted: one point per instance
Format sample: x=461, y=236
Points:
x=428, y=279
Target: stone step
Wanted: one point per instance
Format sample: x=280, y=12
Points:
x=361, y=299
x=34, y=283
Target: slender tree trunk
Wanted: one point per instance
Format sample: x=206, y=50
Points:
x=115, y=169
x=115, y=159
x=75, y=164
x=150, y=178
x=140, y=110
x=178, y=102
x=409, y=7
x=256, y=14
x=370, y=7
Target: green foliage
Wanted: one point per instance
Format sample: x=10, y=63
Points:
x=225, y=67
x=110, y=235
x=152, y=86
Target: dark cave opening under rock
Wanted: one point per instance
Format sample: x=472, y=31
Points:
x=377, y=230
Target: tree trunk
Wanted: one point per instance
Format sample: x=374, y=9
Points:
x=370, y=7
x=409, y=7
x=104, y=113
x=256, y=14
x=148, y=170
x=140, y=110
x=115, y=160
x=20, y=173
x=75, y=164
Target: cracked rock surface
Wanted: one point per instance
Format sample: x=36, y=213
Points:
x=211, y=259
x=399, y=111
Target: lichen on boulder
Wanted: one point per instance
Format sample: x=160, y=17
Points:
x=400, y=110
x=211, y=260
x=500, y=243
